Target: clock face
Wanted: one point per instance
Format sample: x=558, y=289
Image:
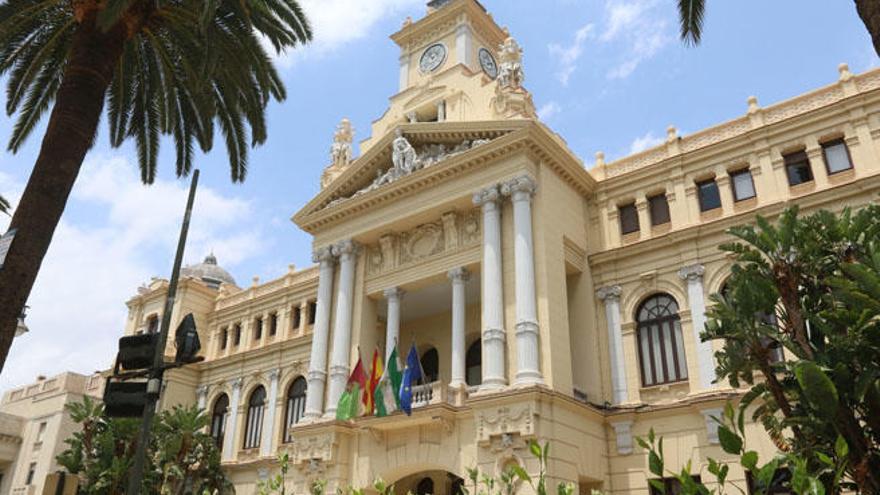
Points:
x=432, y=58
x=487, y=62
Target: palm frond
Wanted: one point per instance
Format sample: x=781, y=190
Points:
x=691, y=17
x=4, y=205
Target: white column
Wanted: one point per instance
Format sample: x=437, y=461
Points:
x=521, y=189
x=202, y=396
x=317, y=376
x=693, y=274
x=269, y=423
x=392, y=327
x=493, y=336
x=611, y=297
x=231, y=420
x=459, y=277
x=339, y=366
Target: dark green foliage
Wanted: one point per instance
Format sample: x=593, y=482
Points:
x=182, y=457
x=4, y=205
x=186, y=65
x=690, y=14
x=820, y=275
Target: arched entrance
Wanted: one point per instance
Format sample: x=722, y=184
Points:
x=429, y=483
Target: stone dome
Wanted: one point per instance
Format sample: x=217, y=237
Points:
x=209, y=272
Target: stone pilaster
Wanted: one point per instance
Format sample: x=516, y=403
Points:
x=459, y=277
x=232, y=420
x=693, y=276
x=392, y=327
x=271, y=406
x=611, y=297
x=317, y=375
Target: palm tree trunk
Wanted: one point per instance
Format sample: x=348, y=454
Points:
x=869, y=11
x=69, y=135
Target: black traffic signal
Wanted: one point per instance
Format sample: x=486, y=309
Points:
x=137, y=352
x=125, y=399
x=186, y=338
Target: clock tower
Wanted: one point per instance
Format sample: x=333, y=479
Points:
x=456, y=64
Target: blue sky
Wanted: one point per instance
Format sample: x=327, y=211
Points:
x=607, y=75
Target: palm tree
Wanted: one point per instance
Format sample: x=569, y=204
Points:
x=4, y=205
x=691, y=17
x=164, y=67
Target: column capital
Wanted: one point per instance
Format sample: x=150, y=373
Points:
x=609, y=293
x=520, y=188
x=459, y=274
x=486, y=196
x=235, y=383
x=323, y=255
x=393, y=293
x=692, y=273
x=202, y=391
x=345, y=248
x=273, y=374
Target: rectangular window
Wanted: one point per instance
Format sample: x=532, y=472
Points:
x=236, y=338
x=273, y=324
x=659, y=208
x=32, y=469
x=778, y=486
x=708, y=194
x=41, y=431
x=629, y=218
x=313, y=308
x=258, y=329
x=836, y=155
x=671, y=486
x=743, y=185
x=797, y=167
x=297, y=317
x=224, y=336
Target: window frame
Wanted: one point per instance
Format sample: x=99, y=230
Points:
x=661, y=197
x=473, y=362
x=701, y=200
x=218, y=421
x=32, y=471
x=789, y=161
x=733, y=174
x=253, y=431
x=657, y=326
x=273, y=324
x=313, y=311
x=295, y=407
x=834, y=142
x=630, y=209
x=236, y=338
x=224, y=338
x=296, y=318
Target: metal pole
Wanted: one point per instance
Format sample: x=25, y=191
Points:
x=154, y=386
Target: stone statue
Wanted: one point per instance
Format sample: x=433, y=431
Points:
x=510, y=69
x=403, y=155
x=340, y=151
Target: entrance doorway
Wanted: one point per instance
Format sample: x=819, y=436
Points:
x=430, y=483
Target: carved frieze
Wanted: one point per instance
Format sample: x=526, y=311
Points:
x=452, y=232
x=309, y=450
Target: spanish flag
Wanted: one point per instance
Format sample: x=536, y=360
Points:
x=375, y=375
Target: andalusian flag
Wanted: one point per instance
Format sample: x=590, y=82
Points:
x=388, y=388
x=375, y=374
x=352, y=399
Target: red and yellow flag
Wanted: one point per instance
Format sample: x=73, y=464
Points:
x=375, y=376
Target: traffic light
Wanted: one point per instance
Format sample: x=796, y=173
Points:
x=186, y=338
x=137, y=352
x=125, y=399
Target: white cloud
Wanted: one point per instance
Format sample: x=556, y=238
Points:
x=338, y=22
x=548, y=110
x=642, y=143
x=78, y=302
x=567, y=56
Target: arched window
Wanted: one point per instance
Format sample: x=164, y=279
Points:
x=431, y=365
x=296, y=405
x=661, y=347
x=218, y=419
x=425, y=486
x=772, y=345
x=153, y=324
x=473, y=362
x=254, y=423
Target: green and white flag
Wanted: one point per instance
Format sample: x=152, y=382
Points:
x=387, y=391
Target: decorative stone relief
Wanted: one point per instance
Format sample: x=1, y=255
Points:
x=307, y=452
x=340, y=152
x=504, y=423
x=405, y=160
x=452, y=232
x=711, y=424
x=623, y=432
x=510, y=69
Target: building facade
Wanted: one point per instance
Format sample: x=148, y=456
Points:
x=548, y=299
x=34, y=425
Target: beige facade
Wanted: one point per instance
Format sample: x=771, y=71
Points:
x=33, y=427
x=467, y=227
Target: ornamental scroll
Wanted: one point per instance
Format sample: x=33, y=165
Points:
x=452, y=232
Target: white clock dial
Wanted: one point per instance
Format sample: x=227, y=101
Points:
x=487, y=62
x=433, y=58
